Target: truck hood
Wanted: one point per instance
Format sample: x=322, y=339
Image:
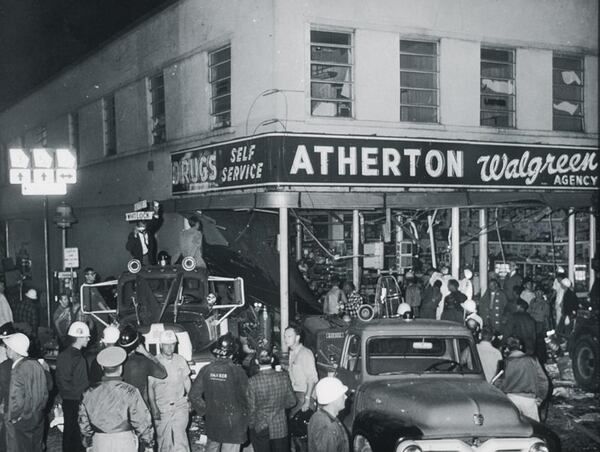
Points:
x=445, y=407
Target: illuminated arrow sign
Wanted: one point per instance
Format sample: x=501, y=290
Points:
x=68, y=176
x=19, y=158
x=20, y=176
x=66, y=158
x=43, y=176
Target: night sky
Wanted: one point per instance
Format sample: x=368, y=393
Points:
x=40, y=37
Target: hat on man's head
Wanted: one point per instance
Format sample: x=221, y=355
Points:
x=329, y=389
x=31, y=294
x=110, y=335
x=18, y=342
x=566, y=282
x=111, y=357
x=78, y=329
x=6, y=330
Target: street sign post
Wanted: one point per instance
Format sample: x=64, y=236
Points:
x=71, y=258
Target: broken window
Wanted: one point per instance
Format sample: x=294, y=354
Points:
x=419, y=75
x=331, y=79
x=567, y=93
x=497, y=87
x=220, y=84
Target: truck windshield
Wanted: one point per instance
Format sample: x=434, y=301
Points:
x=421, y=354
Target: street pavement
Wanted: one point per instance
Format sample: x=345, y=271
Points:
x=574, y=415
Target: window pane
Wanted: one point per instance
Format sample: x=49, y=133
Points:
x=568, y=92
x=330, y=54
x=426, y=48
x=418, y=114
x=221, y=88
x=497, y=55
x=568, y=63
x=420, y=63
x=220, y=72
x=330, y=73
x=496, y=119
x=343, y=109
x=567, y=77
x=221, y=104
x=574, y=124
x=220, y=56
x=331, y=90
x=418, y=97
x=329, y=37
x=496, y=70
x=222, y=120
x=497, y=103
x=418, y=80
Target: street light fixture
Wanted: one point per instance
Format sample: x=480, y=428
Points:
x=64, y=218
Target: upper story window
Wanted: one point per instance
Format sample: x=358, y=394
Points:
x=42, y=136
x=74, y=131
x=331, y=79
x=419, y=75
x=110, y=125
x=156, y=88
x=497, y=87
x=219, y=63
x=567, y=93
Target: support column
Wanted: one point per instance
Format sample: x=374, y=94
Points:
x=483, y=251
x=283, y=274
x=355, y=249
x=593, y=239
x=455, y=237
x=298, y=240
x=47, y=260
x=571, y=246
x=64, y=245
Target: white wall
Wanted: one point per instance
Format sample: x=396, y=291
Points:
x=459, y=82
x=534, y=89
x=591, y=94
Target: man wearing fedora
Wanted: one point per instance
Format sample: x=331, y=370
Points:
x=27, y=314
x=113, y=412
x=28, y=394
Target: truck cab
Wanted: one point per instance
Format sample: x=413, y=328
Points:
x=418, y=385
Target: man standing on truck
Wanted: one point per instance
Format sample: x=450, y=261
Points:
x=325, y=431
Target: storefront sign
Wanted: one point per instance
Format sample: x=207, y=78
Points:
x=327, y=160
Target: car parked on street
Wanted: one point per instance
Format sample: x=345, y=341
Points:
x=584, y=348
x=418, y=385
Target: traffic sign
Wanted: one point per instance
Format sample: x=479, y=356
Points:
x=135, y=216
x=43, y=176
x=56, y=188
x=71, y=258
x=68, y=176
x=140, y=205
x=20, y=176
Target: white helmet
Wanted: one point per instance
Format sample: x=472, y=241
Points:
x=78, y=329
x=110, y=335
x=469, y=306
x=329, y=389
x=18, y=342
x=404, y=308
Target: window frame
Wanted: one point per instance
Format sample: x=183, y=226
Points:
x=157, y=116
x=351, y=65
x=581, y=59
x=109, y=125
x=215, y=115
x=512, y=112
x=417, y=71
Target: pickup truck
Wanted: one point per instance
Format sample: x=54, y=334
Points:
x=418, y=385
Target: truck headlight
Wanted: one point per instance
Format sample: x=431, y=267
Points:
x=412, y=448
x=361, y=444
x=539, y=447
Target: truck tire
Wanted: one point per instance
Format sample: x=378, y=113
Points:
x=586, y=363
